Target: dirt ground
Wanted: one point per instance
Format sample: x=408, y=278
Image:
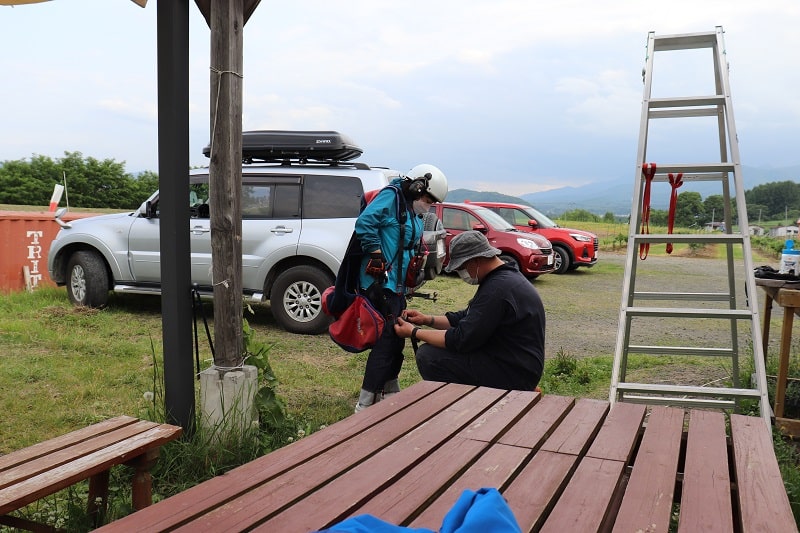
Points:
x=583, y=310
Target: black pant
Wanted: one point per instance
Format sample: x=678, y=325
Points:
x=386, y=358
x=473, y=368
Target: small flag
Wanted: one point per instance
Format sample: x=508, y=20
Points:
x=58, y=190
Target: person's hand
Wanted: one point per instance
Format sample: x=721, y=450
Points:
x=403, y=328
x=415, y=317
x=376, y=267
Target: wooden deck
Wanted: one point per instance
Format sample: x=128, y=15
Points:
x=562, y=464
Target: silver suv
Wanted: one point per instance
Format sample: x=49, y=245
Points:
x=297, y=218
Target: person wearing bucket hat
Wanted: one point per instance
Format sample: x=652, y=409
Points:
x=498, y=340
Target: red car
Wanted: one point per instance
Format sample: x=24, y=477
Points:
x=572, y=248
x=532, y=253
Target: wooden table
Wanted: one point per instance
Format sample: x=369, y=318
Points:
x=788, y=297
x=562, y=464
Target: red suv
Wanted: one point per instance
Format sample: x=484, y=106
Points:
x=573, y=248
x=532, y=253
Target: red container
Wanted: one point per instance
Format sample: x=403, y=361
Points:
x=24, y=243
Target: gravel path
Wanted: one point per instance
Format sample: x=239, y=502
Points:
x=583, y=306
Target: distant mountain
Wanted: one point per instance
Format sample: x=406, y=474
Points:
x=616, y=196
x=459, y=195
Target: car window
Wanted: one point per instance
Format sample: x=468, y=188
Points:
x=332, y=197
x=509, y=215
x=538, y=216
x=256, y=201
x=493, y=219
x=455, y=219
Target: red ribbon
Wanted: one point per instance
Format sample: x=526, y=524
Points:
x=648, y=171
x=675, y=182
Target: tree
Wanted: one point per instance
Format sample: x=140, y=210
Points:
x=90, y=182
x=609, y=217
x=689, y=210
x=779, y=197
x=714, y=207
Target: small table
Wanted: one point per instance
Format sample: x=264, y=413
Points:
x=787, y=295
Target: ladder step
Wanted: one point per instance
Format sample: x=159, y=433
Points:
x=681, y=350
x=687, y=101
x=718, y=238
x=676, y=312
x=684, y=107
x=710, y=176
x=694, y=403
x=686, y=41
x=687, y=296
x=688, y=168
x=689, y=390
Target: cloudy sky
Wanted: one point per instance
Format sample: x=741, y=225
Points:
x=514, y=96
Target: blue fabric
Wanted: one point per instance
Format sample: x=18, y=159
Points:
x=481, y=511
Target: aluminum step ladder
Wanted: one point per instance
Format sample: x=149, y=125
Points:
x=657, y=313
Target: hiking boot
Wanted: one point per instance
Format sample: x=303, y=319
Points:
x=365, y=399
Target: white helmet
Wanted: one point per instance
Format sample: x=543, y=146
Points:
x=436, y=182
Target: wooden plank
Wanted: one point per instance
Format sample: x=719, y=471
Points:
x=584, y=505
x=41, y=449
x=492, y=423
x=539, y=422
x=618, y=435
x=575, y=433
x=366, y=432
x=706, y=492
x=647, y=503
x=353, y=488
x=400, y=500
x=761, y=495
x=533, y=492
x=403, y=497
x=60, y=477
x=493, y=469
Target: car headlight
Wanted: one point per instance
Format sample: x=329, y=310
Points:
x=527, y=243
x=580, y=238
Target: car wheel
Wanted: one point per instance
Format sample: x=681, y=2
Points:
x=561, y=259
x=296, y=300
x=510, y=259
x=87, y=280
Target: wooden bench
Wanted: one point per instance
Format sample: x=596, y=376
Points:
x=562, y=464
x=32, y=473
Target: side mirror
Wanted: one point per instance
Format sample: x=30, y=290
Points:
x=480, y=227
x=532, y=223
x=149, y=210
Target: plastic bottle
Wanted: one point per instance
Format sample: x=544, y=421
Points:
x=790, y=259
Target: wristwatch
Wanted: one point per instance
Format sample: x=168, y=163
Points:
x=414, y=333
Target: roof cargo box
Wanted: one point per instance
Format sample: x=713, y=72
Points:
x=278, y=146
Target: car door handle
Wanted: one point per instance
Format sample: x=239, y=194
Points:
x=199, y=230
x=281, y=230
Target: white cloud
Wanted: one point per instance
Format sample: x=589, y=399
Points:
x=532, y=94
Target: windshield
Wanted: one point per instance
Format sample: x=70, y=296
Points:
x=543, y=220
x=495, y=221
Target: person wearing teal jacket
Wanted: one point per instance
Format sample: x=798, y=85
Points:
x=396, y=210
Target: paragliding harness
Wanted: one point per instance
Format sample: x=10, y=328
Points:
x=360, y=315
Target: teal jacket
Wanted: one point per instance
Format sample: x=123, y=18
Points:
x=378, y=228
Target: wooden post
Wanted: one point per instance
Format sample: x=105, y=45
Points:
x=225, y=177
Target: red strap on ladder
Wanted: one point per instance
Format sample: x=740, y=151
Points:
x=675, y=182
x=648, y=171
